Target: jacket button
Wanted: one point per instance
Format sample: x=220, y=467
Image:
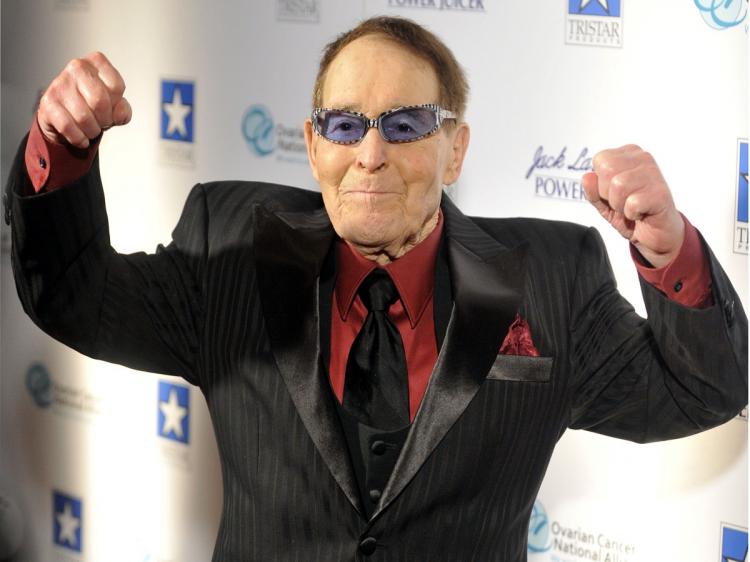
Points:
x=378, y=447
x=375, y=494
x=367, y=546
x=729, y=311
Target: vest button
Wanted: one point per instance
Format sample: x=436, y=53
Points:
x=375, y=494
x=367, y=546
x=378, y=447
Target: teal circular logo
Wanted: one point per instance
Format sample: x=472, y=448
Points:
x=722, y=14
x=258, y=130
x=39, y=385
x=539, y=539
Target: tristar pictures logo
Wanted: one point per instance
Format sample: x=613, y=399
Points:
x=177, y=130
x=174, y=412
x=67, y=521
x=298, y=10
x=733, y=543
x=595, y=23
x=741, y=203
x=722, y=14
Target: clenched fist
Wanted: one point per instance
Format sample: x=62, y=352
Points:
x=82, y=101
x=628, y=190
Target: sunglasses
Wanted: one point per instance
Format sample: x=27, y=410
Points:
x=402, y=124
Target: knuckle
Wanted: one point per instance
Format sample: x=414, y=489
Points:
x=75, y=67
x=46, y=101
x=68, y=129
x=97, y=56
x=81, y=116
x=100, y=104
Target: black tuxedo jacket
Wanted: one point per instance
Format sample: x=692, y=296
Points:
x=231, y=305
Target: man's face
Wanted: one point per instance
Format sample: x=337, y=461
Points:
x=383, y=197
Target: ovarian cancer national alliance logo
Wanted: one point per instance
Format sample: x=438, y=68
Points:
x=265, y=136
x=258, y=130
x=594, y=23
x=39, y=385
x=722, y=14
x=539, y=530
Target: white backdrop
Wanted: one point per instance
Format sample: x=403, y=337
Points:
x=101, y=463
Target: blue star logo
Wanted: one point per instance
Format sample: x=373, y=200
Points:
x=733, y=544
x=742, y=188
x=177, y=100
x=607, y=8
x=67, y=521
x=174, y=412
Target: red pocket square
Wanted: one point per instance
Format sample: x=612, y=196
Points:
x=518, y=340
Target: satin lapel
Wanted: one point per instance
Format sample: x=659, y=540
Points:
x=290, y=249
x=487, y=280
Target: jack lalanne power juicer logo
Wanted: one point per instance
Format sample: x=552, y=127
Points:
x=551, y=540
x=557, y=175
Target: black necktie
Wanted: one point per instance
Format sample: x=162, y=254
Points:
x=376, y=389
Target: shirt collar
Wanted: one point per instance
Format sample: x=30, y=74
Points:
x=415, y=290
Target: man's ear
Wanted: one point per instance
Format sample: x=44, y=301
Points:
x=311, y=142
x=459, y=146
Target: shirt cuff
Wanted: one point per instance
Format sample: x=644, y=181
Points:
x=687, y=278
x=51, y=165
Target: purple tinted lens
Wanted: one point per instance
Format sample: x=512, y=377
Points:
x=408, y=124
x=340, y=126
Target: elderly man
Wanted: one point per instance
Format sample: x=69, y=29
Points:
x=386, y=376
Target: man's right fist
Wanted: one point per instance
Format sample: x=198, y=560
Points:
x=82, y=101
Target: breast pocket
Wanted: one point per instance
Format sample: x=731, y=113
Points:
x=521, y=368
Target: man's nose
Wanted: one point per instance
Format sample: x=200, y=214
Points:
x=371, y=151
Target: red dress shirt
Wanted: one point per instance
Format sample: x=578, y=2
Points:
x=686, y=280
x=412, y=313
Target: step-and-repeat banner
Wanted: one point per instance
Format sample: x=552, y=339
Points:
x=98, y=462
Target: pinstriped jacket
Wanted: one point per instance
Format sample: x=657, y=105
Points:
x=232, y=306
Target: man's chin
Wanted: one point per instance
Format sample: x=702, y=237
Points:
x=368, y=233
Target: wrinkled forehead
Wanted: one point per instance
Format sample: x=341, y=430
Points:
x=373, y=74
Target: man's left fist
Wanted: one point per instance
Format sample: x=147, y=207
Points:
x=628, y=190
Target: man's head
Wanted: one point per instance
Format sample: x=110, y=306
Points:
x=383, y=197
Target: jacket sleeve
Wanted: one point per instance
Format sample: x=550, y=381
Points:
x=141, y=310
x=679, y=372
